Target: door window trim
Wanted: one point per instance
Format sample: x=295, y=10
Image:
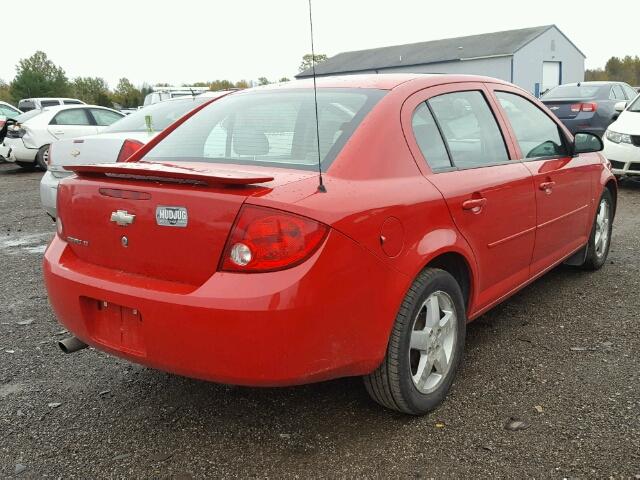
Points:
x=563, y=137
x=455, y=167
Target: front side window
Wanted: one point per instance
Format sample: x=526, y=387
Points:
x=429, y=139
x=631, y=93
x=470, y=129
x=104, y=118
x=537, y=135
x=77, y=116
x=275, y=128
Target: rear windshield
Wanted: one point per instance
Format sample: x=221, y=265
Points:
x=274, y=127
x=162, y=115
x=23, y=117
x=573, y=91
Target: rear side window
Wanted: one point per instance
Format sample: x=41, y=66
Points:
x=104, y=118
x=77, y=116
x=429, y=139
x=275, y=128
x=470, y=129
x=617, y=93
x=72, y=102
x=537, y=135
x=26, y=105
x=49, y=103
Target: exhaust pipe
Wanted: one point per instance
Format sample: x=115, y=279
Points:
x=71, y=344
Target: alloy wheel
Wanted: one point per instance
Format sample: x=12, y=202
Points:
x=433, y=338
x=603, y=218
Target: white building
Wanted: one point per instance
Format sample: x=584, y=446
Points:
x=535, y=58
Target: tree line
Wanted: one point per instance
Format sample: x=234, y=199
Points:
x=626, y=69
x=38, y=76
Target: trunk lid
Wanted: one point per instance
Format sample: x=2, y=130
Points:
x=166, y=221
x=562, y=108
x=92, y=149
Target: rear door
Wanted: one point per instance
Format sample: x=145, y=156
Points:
x=562, y=182
x=490, y=197
x=72, y=123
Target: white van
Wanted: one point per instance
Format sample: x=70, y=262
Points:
x=27, y=104
x=160, y=94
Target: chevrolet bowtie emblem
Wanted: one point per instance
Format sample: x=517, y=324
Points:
x=122, y=217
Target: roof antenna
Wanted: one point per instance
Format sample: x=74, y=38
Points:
x=321, y=187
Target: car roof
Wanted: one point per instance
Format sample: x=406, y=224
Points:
x=50, y=98
x=57, y=108
x=382, y=81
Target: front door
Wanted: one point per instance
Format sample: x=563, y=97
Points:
x=490, y=197
x=562, y=182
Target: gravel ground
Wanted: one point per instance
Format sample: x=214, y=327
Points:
x=562, y=355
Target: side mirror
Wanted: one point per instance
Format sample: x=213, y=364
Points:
x=620, y=106
x=585, y=142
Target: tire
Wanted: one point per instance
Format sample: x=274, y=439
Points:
x=30, y=166
x=42, y=157
x=414, y=344
x=598, y=246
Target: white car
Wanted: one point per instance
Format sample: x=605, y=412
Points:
x=622, y=140
x=160, y=94
x=7, y=112
x=114, y=144
x=29, y=138
x=28, y=104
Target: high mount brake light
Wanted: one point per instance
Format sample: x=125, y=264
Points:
x=264, y=239
x=129, y=147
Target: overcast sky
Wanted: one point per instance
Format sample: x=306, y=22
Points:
x=187, y=41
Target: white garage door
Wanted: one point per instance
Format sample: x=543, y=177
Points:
x=550, y=75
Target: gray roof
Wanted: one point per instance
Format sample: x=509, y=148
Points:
x=435, y=51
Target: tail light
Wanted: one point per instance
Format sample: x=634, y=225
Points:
x=129, y=147
x=265, y=239
x=584, y=107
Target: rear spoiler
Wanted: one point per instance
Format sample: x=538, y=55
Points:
x=161, y=171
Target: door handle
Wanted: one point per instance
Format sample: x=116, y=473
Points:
x=474, y=204
x=547, y=186
x=58, y=132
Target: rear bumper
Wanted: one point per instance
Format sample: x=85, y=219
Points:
x=328, y=317
x=18, y=152
x=49, y=193
x=624, y=158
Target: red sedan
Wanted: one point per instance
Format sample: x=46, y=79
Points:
x=217, y=253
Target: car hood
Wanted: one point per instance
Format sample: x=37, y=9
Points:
x=627, y=122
